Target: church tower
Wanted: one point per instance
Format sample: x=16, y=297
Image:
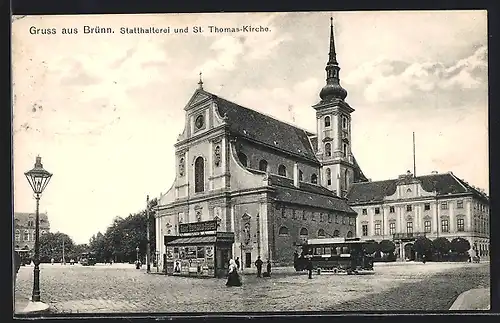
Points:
x=333, y=117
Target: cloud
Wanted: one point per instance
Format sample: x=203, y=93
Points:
x=386, y=80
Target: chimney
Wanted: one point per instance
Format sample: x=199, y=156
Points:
x=296, y=175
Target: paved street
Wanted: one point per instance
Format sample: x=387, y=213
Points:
x=122, y=288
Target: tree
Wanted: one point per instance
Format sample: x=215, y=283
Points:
x=51, y=246
x=423, y=246
x=387, y=246
x=442, y=246
x=460, y=245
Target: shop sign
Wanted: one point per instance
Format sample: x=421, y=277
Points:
x=198, y=226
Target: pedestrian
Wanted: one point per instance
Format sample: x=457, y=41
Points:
x=258, y=264
x=424, y=258
x=309, y=267
x=233, y=278
x=237, y=261
x=52, y=261
x=295, y=259
x=268, y=269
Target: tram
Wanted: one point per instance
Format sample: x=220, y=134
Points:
x=335, y=255
x=88, y=259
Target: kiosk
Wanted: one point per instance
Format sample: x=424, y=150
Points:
x=199, y=250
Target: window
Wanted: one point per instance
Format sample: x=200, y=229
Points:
x=336, y=233
x=391, y=209
x=243, y=159
x=344, y=149
x=408, y=208
x=327, y=121
x=460, y=204
x=328, y=176
x=344, y=122
x=304, y=215
x=337, y=220
x=198, y=216
x=427, y=206
x=30, y=223
x=321, y=233
x=303, y=232
x=377, y=210
x=321, y=217
x=427, y=226
x=343, y=219
x=18, y=235
x=301, y=175
x=294, y=214
x=444, y=205
x=460, y=225
x=349, y=234
x=199, y=175
x=314, y=179
x=351, y=221
x=313, y=216
x=409, y=227
x=364, y=229
x=283, y=231
x=26, y=235
x=263, y=165
x=364, y=212
x=392, y=228
x=328, y=150
x=445, y=227
x=282, y=170
x=329, y=218
x=378, y=229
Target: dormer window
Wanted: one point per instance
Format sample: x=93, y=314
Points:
x=314, y=179
x=282, y=170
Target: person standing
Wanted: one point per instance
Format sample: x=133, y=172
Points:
x=258, y=264
x=237, y=261
x=268, y=272
x=309, y=267
x=233, y=279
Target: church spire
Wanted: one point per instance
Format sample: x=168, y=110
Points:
x=332, y=89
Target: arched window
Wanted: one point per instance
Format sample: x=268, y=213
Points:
x=349, y=234
x=328, y=176
x=243, y=159
x=336, y=233
x=199, y=175
x=301, y=175
x=283, y=231
x=328, y=149
x=263, y=165
x=327, y=121
x=181, y=167
x=303, y=232
x=314, y=179
x=282, y=170
x=321, y=233
x=346, y=179
x=26, y=235
x=344, y=149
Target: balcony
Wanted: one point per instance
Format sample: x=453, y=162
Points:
x=408, y=235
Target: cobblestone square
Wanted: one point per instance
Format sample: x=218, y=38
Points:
x=121, y=288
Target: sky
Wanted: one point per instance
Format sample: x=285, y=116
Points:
x=104, y=110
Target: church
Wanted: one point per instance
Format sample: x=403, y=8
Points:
x=267, y=184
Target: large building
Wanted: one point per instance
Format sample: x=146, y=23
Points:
x=24, y=229
x=269, y=183
x=435, y=205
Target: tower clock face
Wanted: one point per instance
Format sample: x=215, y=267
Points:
x=199, y=122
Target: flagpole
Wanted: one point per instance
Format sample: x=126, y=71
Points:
x=414, y=163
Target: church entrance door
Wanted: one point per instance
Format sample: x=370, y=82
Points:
x=248, y=260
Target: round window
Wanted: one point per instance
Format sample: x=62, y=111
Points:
x=199, y=122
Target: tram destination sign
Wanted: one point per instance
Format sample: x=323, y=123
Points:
x=198, y=226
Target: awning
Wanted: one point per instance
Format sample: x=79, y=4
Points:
x=192, y=240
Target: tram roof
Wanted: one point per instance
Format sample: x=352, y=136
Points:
x=332, y=241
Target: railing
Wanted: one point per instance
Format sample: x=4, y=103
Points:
x=408, y=235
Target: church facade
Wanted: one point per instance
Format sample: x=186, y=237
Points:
x=269, y=183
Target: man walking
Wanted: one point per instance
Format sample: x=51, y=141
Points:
x=309, y=267
x=258, y=264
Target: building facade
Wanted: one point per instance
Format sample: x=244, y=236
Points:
x=270, y=183
x=435, y=205
x=24, y=229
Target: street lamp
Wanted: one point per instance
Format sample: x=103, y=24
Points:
x=38, y=179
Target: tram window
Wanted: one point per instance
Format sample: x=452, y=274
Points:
x=319, y=251
x=339, y=250
x=345, y=249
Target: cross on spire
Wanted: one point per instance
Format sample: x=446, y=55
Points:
x=200, y=83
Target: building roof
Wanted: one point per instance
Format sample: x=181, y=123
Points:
x=307, y=194
x=22, y=218
x=444, y=184
x=196, y=240
x=256, y=126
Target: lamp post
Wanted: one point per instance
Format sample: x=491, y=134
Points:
x=38, y=179
x=137, y=258
x=148, y=247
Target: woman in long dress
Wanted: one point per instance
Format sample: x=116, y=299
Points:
x=233, y=279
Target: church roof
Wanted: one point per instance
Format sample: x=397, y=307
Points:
x=444, y=184
x=259, y=127
x=307, y=194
